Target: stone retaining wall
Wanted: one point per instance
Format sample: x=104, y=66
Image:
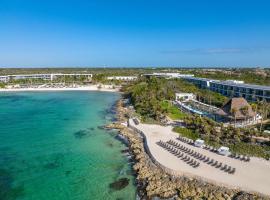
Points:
x=158, y=164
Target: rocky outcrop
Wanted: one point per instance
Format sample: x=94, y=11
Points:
x=152, y=181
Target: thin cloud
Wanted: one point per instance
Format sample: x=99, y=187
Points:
x=210, y=51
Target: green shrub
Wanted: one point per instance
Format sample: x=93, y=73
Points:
x=249, y=149
x=186, y=133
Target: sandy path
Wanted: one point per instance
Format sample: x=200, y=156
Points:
x=250, y=176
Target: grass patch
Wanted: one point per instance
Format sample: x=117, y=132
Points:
x=186, y=133
x=172, y=111
x=148, y=120
x=249, y=149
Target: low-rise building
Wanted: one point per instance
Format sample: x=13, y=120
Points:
x=49, y=77
x=122, y=78
x=184, y=96
x=4, y=79
x=168, y=75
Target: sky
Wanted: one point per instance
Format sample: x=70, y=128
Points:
x=134, y=33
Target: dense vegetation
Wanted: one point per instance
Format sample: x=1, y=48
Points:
x=172, y=111
x=253, y=76
x=249, y=75
x=149, y=95
x=2, y=85
x=240, y=140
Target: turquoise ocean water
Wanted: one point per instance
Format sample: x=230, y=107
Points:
x=52, y=149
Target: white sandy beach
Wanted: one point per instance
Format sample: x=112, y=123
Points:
x=250, y=176
x=104, y=88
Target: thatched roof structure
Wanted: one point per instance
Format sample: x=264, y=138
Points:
x=237, y=108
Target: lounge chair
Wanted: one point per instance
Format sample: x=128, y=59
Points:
x=219, y=165
x=232, y=155
x=207, y=159
x=229, y=169
x=224, y=167
x=211, y=161
x=215, y=163
x=232, y=171
x=197, y=165
x=191, y=162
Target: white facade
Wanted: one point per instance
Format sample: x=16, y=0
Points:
x=184, y=96
x=122, y=78
x=39, y=76
x=4, y=79
x=235, y=81
x=169, y=75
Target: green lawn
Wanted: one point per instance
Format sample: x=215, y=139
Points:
x=172, y=111
x=186, y=133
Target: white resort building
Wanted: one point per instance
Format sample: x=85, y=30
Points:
x=184, y=96
x=122, y=78
x=168, y=75
x=49, y=77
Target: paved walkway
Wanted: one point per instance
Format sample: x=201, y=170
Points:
x=250, y=176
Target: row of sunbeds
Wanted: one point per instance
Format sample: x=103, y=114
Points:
x=185, y=140
x=203, y=158
x=192, y=162
x=213, y=149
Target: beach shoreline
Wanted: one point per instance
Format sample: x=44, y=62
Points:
x=102, y=88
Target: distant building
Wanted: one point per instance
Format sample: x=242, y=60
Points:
x=168, y=75
x=49, y=77
x=4, y=79
x=184, y=96
x=232, y=88
x=122, y=78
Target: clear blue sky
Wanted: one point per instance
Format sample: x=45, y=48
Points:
x=35, y=33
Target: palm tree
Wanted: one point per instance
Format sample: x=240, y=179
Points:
x=263, y=107
x=233, y=111
x=245, y=112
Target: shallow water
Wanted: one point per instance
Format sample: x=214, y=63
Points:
x=51, y=147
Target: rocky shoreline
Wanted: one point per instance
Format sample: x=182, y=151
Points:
x=153, y=183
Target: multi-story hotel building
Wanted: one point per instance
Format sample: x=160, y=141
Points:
x=48, y=77
x=233, y=88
